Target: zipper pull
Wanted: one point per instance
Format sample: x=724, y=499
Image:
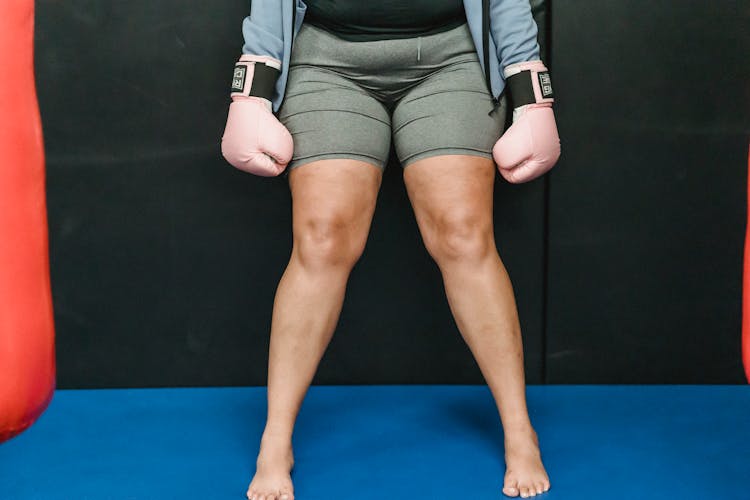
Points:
x=496, y=105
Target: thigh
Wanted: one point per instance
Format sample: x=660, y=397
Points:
x=330, y=117
x=447, y=113
x=334, y=199
x=451, y=194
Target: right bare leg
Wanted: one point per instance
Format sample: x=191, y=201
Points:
x=332, y=206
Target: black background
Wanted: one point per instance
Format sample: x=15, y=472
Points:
x=626, y=259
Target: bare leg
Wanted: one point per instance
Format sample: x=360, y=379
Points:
x=452, y=198
x=332, y=206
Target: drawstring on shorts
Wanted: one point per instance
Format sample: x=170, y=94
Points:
x=419, y=47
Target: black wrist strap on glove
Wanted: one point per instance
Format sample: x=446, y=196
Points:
x=263, y=83
x=521, y=88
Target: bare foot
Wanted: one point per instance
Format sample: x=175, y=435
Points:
x=273, y=467
x=524, y=472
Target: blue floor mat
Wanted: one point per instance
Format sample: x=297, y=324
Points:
x=393, y=442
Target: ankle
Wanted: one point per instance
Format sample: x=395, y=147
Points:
x=277, y=433
x=268, y=456
x=518, y=429
x=275, y=442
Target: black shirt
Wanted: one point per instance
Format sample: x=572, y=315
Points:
x=364, y=20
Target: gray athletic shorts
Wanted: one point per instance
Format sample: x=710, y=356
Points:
x=344, y=99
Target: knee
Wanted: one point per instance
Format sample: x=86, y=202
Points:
x=460, y=237
x=323, y=241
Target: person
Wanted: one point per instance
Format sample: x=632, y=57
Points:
x=353, y=77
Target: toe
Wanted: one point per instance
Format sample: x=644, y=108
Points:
x=511, y=490
x=524, y=492
x=539, y=487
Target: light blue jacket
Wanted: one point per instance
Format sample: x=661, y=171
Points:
x=268, y=31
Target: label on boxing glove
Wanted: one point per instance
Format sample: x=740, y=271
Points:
x=545, y=84
x=238, y=80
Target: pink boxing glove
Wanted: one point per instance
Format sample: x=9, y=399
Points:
x=530, y=147
x=254, y=140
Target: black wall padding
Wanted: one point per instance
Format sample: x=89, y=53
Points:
x=165, y=259
x=647, y=206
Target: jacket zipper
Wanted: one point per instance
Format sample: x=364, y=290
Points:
x=294, y=16
x=291, y=39
x=486, y=51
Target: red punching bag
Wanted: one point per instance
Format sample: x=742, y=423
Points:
x=746, y=287
x=27, y=354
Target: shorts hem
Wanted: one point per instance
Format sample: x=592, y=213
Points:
x=446, y=151
x=329, y=156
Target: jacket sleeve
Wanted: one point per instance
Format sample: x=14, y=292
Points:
x=262, y=29
x=514, y=31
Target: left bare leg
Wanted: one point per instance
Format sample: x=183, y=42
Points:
x=452, y=199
